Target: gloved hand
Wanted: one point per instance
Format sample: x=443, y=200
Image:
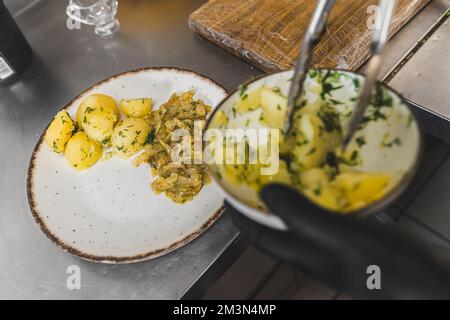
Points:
x=338, y=249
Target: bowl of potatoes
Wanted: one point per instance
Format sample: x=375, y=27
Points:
x=86, y=191
x=376, y=167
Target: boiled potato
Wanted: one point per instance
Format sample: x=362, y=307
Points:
x=82, y=152
x=249, y=101
x=362, y=188
x=312, y=143
x=97, y=101
x=136, y=108
x=99, y=125
x=220, y=119
x=274, y=108
x=328, y=197
x=59, y=131
x=130, y=136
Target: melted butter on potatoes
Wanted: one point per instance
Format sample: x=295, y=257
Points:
x=130, y=136
x=82, y=152
x=59, y=131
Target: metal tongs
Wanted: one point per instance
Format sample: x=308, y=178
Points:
x=312, y=37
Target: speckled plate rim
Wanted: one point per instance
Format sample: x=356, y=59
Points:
x=113, y=259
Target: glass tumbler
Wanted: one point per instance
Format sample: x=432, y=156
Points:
x=98, y=13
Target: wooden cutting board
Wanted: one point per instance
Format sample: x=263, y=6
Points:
x=268, y=33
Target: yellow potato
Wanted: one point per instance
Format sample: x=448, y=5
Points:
x=314, y=178
x=130, y=136
x=328, y=197
x=312, y=142
x=136, y=108
x=274, y=108
x=82, y=152
x=220, y=119
x=59, y=131
x=249, y=101
x=97, y=101
x=362, y=187
x=99, y=125
x=282, y=176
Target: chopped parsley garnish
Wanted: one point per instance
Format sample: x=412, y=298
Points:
x=360, y=141
x=301, y=143
x=375, y=115
x=313, y=73
x=276, y=89
x=336, y=102
x=382, y=98
x=317, y=191
x=332, y=161
x=330, y=118
x=390, y=144
x=88, y=110
x=242, y=89
x=106, y=141
x=328, y=87
x=353, y=161
x=150, y=138
x=410, y=121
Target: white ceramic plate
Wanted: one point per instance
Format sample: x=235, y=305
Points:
x=109, y=213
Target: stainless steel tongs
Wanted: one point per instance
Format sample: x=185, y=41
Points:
x=312, y=37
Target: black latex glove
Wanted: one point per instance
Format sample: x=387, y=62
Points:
x=337, y=249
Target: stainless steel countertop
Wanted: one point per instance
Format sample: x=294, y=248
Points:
x=154, y=33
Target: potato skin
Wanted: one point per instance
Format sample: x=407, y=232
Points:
x=136, y=108
x=97, y=101
x=130, y=136
x=82, y=152
x=60, y=131
x=99, y=125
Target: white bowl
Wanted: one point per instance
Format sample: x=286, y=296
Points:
x=400, y=161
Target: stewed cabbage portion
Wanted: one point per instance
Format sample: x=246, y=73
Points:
x=172, y=135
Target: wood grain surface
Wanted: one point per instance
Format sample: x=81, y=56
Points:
x=268, y=33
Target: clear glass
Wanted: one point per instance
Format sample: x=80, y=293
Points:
x=99, y=13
